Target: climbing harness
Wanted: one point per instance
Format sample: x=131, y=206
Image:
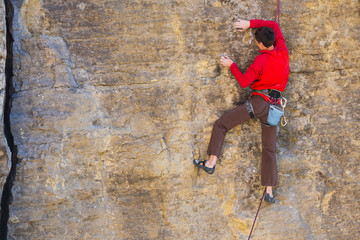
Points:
x=257, y=214
x=277, y=106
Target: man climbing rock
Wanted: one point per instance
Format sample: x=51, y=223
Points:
x=267, y=76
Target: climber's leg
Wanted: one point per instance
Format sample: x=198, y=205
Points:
x=268, y=163
x=226, y=122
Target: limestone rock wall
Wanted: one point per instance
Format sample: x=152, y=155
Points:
x=113, y=98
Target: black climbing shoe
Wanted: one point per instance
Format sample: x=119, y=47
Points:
x=269, y=198
x=201, y=164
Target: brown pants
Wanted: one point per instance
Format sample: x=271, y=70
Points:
x=240, y=115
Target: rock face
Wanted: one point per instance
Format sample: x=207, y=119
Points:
x=112, y=98
x=4, y=159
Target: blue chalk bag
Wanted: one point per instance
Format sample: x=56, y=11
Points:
x=275, y=114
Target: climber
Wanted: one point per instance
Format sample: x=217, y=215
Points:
x=267, y=76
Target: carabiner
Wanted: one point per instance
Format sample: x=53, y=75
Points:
x=283, y=102
x=283, y=121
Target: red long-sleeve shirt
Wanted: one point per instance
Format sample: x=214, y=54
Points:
x=270, y=70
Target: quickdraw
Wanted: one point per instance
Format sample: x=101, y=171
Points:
x=283, y=102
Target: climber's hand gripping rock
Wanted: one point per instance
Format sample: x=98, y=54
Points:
x=241, y=25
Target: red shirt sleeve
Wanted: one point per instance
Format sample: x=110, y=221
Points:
x=279, y=38
x=251, y=74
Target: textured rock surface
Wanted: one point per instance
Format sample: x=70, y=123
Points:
x=112, y=98
x=4, y=160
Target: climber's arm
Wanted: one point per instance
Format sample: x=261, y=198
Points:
x=251, y=74
x=279, y=38
x=243, y=25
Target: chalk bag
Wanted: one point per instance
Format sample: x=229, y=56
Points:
x=275, y=114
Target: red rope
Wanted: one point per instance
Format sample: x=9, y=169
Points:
x=257, y=214
x=277, y=19
x=277, y=14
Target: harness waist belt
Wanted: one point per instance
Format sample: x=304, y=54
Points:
x=270, y=92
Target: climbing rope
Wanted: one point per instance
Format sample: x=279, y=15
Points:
x=283, y=100
x=283, y=104
x=257, y=214
x=277, y=14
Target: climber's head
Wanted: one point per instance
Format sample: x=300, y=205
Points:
x=265, y=37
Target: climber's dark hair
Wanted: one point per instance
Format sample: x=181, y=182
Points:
x=265, y=35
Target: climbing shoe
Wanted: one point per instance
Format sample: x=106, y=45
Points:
x=269, y=198
x=201, y=164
